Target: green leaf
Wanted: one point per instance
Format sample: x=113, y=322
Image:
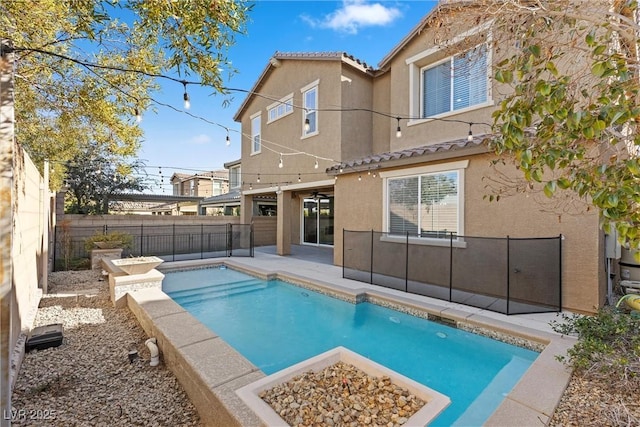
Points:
x=551, y=67
x=549, y=188
x=535, y=50
x=598, y=69
x=590, y=38
x=599, y=49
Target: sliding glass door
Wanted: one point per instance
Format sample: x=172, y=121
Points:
x=317, y=221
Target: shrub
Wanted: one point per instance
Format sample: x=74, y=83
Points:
x=608, y=343
x=113, y=239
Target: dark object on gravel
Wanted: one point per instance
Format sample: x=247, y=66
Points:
x=44, y=337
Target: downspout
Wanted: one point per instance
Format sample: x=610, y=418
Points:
x=151, y=344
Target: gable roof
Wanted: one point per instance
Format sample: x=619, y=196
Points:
x=442, y=6
x=222, y=174
x=274, y=62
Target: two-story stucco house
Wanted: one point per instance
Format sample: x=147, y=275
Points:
x=402, y=150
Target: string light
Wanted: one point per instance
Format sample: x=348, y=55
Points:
x=250, y=186
x=315, y=166
x=359, y=177
x=398, y=130
x=299, y=178
x=307, y=124
x=228, y=139
x=470, y=136
x=137, y=114
x=280, y=164
x=258, y=178
x=187, y=103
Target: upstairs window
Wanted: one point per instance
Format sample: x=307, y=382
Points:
x=458, y=82
x=256, y=144
x=280, y=109
x=234, y=177
x=310, y=106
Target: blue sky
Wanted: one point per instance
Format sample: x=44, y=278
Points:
x=366, y=29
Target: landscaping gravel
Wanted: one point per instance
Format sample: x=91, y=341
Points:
x=89, y=380
x=342, y=395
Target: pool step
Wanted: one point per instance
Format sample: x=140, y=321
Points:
x=217, y=291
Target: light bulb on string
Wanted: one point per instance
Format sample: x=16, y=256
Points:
x=470, y=136
x=398, y=130
x=315, y=166
x=307, y=123
x=299, y=178
x=258, y=179
x=137, y=114
x=359, y=177
x=228, y=140
x=187, y=103
x=280, y=163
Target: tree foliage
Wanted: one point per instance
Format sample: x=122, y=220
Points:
x=95, y=175
x=84, y=68
x=570, y=114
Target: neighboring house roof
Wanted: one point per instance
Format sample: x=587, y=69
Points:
x=217, y=174
x=232, y=163
x=454, y=148
x=231, y=196
x=160, y=198
x=443, y=5
x=274, y=62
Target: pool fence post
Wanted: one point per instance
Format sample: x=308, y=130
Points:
x=251, y=241
x=173, y=243
x=230, y=239
x=451, y=266
x=508, y=271
x=371, y=260
x=560, y=238
x=141, y=239
x=201, y=241
x=344, y=245
x=406, y=265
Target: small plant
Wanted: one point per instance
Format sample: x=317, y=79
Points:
x=112, y=239
x=608, y=344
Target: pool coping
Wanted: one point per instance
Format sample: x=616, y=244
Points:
x=211, y=371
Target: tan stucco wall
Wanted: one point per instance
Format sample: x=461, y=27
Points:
x=383, y=127
x=30, y=204
x=284, y=134
x=359, y=206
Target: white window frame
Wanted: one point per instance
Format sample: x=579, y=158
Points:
x=458, y=166
x=307, y=111
x=424, y=59
x=254, y=134
x=235, y=170
x=280, y=109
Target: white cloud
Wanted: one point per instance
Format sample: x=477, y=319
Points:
x=201, y=139
x=355, y=14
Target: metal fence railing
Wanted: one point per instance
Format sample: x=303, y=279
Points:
x=505, y=275
x=170, y=242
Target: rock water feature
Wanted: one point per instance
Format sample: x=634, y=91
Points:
x=341, y=388
x=341, y=394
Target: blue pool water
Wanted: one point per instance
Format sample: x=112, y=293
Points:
x=276, y=325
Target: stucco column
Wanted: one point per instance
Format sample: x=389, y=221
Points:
x=6, y=208
x=283, y=232
x=246, y=209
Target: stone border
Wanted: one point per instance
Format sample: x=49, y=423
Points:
x=250, y=394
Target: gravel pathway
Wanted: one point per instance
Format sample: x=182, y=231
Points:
x=88, y=380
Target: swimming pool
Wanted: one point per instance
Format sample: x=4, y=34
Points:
x=275, y=325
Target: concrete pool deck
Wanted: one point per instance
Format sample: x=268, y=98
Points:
x=210, y=370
